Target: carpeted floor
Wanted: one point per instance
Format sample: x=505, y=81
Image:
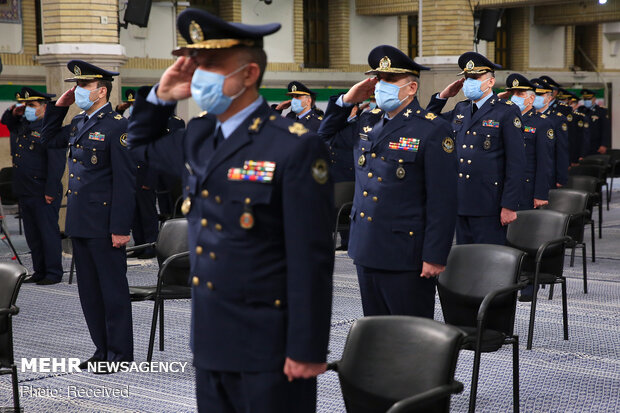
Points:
x=579, y=375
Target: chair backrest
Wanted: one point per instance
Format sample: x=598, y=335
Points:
x=602, y=160
x=172, y=240
x=597, y=171
x=471, y=273
x=572, y=202
x=582, y=182
x=531, y=230
x=6, y=186
x=11, y=277
x=343, y=193
x=389, y=358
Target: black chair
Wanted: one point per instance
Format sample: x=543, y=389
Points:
x=172, y=278
x=6, y=194
x=588, y=184
x=604, y=161
x=11, y=278
x=614, y=167
x=343, y=200
x=478, y=294
x=542, y=235
x=598, y=172
x=574, y=203
x=399, y=364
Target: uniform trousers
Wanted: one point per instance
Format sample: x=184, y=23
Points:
x=145, y=222
x=102, y=283
x=480, y=230
x=387, y=292
x=253, y=392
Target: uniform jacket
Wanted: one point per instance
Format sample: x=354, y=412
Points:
x=599, y=125
x=37, y=169
x=100, y=194
x=311, y=120
x=538, y=141
x=404, y=209
x=561, y=152
x=580, y=147
x=489, y=147
x=261, y=252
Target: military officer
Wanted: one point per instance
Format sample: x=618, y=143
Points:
x=489, y=148
x=538, y=137
x=581, y=145
x=259, y=201
x=100, y=205
x=598, y=122
x=302, y=106
x=554, y=112
x=37, y=174
x=404, y=209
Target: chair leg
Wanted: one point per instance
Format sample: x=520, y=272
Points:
x=564, y=310
x=551, y=292
x=16, y=406
x=593, y=243
x=600, y=219
x=149, y=355
x=607, y=193
x=530, y=333
x=515, y=374
x=71, y=270
x=8, y=240
x=161, y=326
x=474, y=381
x=585, y=268
x=572, y=256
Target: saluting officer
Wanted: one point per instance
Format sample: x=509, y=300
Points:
x=100, y=205
x=37, y=174
x=538, y=137
x=404, y=209
x=259, y=205
x=489, y=147
x=598, y=122
x=302, y=106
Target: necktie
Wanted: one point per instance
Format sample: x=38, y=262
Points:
x=474, y=108
x=84, y=122
x=385, y=121
x=219, y=137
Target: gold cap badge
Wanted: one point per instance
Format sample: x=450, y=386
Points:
x=470, y=65
x=26, y=95
x=195, y=32
x=515, y=83
x=294, y=88
x=77, y=71
x=385, y=63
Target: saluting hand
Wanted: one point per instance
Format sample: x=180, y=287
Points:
x=504, y=95
x=360, y=91
x=430, y=270
x=507, y=216
x=119, y=241
x=302, y=370
x=18, y=110
x=67, y=98
x=284, y=105
x=175, y=83
x=452, y=89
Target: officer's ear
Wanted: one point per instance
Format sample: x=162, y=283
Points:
x=413, y=87
x=491, y=81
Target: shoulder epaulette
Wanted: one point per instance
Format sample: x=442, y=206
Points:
x=294, y=128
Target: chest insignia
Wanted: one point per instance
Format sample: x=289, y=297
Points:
x=256, y=171
x=517, y=123
x=96, y=136
x=550, y=134
x=319, y=171
x=529, y=129
x=93, y=159
x=407, y=113
x=564, y=127
x=430, y=116
x=487, y=143
x=569, y=117
x=490, y=123
x=35, y=134
x=297, y=128
x=405, y=144
x=448, y=145
x=367, y=129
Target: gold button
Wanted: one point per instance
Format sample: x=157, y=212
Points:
x=209, y=285
x=468, y=132
x=212, y=255
x=460, y=175
x=75, y=193
x=370, y=174
x=195, y=280
x=464, y=146
x=411, y=233
x=365, y=193
x=204, y=193
x=198, y=250
x=69, y=191
x=461, y=160
x=374, y=198
x=79, y=179
x=400, y=161
x=369, y=219
x=527, y=180
x=379, y=179
x=362, y=214
x=495, y=183
x=474, y=133
x=105, y=203
x=138, y=166
x=94, y=149
x=248, y=200
x=471, y=146
x=373, y=155
x=74, y=160
x=71, y=176
x=469, y=162
x=204, y=222
x=218, y=199
x=277, y=303
x=218, y=227
x=363, y=149
x=383, y=158
x=467, y=176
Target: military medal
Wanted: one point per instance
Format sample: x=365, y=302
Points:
x=487, y=144
x=186, y=206
x=93, y=159
x=246, y=220
x=400, y=172
x=361, y=160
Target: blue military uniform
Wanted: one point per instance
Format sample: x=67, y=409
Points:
x=489, y=148
x=100, y=202
x=311, y=118
x=578, y=132
x=404, y=207
x=598, y=123
x=259, y=201
x=538, y=142
x=37, y=172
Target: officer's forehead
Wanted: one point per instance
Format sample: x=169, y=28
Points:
x=215, y=57
x=477, y=76
x=391, y=77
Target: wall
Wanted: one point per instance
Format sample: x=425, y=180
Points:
x=368, y=32
x=547, y=46
x=278, y=46
x=155, y=41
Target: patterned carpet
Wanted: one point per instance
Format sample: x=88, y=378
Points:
x=579, y=375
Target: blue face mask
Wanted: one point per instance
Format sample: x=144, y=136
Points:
x=519, y=101
x=82, y=98
x=296, y=105
x=207, y=91
x=587, y=103
x=30, y=114
x=539, y=102
x=130, y=110
x=472, y=90
x=387, y=95
x=373, y=105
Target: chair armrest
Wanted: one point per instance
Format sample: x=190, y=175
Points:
x=13, y=310
x=486, y=302
x=332, y=366
x=414, y=403
x=140, y=247
x=544, y=246
x=165, y=265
